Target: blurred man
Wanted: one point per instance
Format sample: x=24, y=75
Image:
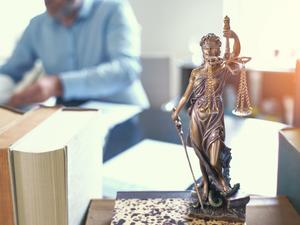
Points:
x=89, y=50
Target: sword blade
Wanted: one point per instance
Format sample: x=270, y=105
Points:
x=180, y=134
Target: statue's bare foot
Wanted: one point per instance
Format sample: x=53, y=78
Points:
x=226, y=188
x=221, y=186
x=231, y=191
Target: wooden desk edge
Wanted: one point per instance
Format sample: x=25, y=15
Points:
x=100, y=212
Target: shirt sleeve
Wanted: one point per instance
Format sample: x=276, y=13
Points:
x=123, y=48
x=22, y=58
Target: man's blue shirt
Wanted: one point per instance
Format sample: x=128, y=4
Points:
x=97, y=57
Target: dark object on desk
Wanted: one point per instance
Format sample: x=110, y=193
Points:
x=150, y=124
x=289, y=165
x=260, y=211
x=71, y=103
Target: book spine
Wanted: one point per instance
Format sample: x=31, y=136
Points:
x=6, y=201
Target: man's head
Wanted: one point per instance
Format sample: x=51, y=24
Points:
x=211, y=45
x=63, y=10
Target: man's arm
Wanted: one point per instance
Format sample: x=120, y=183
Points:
x=39, y=91
x=123, y=47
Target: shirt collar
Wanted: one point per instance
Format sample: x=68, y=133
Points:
x=85, y=9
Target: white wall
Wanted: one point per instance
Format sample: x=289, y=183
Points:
x=168, y=26
x=266, y=26
x=14, y=16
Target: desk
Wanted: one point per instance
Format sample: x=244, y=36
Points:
x=254, y=146
x=260, y=211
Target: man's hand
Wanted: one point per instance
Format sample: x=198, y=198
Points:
x=39, y=91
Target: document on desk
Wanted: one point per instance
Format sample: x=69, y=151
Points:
x=112, y=113
x=148, y=166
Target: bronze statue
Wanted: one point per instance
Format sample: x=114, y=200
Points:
x=206, y=130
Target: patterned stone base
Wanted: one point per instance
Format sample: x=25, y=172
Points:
x=159, y=211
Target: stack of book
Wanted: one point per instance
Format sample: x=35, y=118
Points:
x=50, y=165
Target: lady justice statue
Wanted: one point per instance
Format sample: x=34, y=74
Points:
x=206, y=129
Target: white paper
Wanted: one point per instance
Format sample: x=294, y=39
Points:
x=150, y=165
x=113, y=114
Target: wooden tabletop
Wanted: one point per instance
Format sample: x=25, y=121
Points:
x=100, y=212
x=260, y=211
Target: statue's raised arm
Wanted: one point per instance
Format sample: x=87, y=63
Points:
x=230, y=34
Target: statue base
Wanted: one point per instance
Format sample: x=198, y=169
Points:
x=233, y=209
x=171, y=208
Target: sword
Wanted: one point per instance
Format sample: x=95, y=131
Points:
x=178, y=126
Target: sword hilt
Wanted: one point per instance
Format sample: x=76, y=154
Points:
x=178, y=123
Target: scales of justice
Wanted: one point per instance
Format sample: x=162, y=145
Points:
x=214, y=197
